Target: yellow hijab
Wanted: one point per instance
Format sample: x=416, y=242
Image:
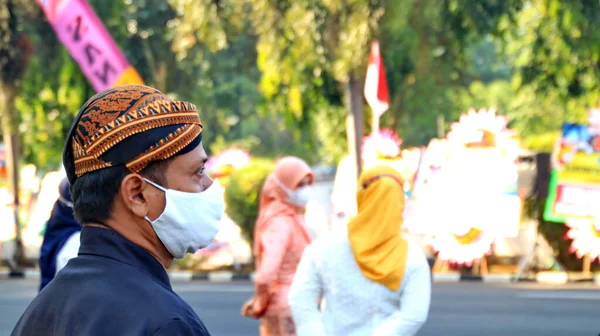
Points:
x=375, y=232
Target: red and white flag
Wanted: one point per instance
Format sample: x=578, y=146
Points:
x=376, y=89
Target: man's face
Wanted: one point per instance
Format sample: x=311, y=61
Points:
x=184, y=173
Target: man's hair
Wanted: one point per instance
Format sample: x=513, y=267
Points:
x=94, y=193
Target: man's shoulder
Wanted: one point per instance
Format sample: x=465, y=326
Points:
x=181, y=328
x=150, y=307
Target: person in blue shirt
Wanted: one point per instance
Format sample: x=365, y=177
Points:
x=135, y=162
x=61, y=238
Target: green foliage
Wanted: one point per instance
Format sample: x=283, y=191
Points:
x=54, y=89
x=224, y=85
x=299, y=47
x=272, y=81
x=270, y=76
x=433, y=54
x=12, y=43
x=46, y=113
x=543, y=143
x=243, y=193
x=555, y=46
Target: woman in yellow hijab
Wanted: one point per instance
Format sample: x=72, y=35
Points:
x=373, y=281
x=375, y=233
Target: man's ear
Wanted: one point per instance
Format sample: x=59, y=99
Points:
x=135, y=193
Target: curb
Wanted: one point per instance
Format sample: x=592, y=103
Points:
x=457, y=277
x=227, y=276
x=177, y=276
x=23, y=274
x=555, y=278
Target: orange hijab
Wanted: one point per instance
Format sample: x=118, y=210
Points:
x=375, y=232
x=289, y=171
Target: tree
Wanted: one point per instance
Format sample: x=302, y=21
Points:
x=433, y=52
x=298, y=42
x=224, y=83
x=552, y=51
x=14, y=53
x=52, y=91
x=555, y=46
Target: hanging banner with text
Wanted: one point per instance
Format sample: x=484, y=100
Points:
x=574, y=191
x=89, y=43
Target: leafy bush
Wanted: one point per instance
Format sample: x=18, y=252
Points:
x=242, y=194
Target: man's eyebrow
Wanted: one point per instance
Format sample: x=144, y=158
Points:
x=200, y=163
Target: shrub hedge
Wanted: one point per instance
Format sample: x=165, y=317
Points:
x=242, y=194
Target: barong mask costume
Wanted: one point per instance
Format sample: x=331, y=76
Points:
x=134, y=125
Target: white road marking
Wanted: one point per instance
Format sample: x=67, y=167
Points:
x=560, y=295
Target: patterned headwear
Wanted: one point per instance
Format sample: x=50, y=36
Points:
x=129, y=125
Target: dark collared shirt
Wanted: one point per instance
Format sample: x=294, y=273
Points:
x=113, y=287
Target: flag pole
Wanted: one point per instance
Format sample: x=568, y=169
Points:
x=375, y=122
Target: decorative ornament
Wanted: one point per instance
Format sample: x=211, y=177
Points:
x=465, y=194
x=484, y=129
x=585, y=234
x=226, y=162
x=383, y=145
x=382, y=148
x=465, y=248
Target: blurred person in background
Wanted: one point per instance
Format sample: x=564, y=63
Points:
x=61, y=238
x=372, y=280
x=280, y=237
x=135, y=162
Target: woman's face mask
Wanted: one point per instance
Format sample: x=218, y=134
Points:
x=299, y=197
x=190, y=221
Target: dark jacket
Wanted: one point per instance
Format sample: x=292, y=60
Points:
x=59, y=228
x=113, y=287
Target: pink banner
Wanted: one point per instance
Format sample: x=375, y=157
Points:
x=52, y=7
x=89, y=43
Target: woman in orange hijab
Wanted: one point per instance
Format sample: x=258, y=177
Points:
x=373, y=281
x=280, y=237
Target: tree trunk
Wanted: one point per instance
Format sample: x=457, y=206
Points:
x=11, y=141
x=354, y=121
x=441, y=125
x=161, y=77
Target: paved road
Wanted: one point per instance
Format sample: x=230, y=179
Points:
x=462, y=309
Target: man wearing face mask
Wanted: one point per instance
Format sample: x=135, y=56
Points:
x=135, y=162
x=280, y=237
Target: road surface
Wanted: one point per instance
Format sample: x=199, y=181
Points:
x=462, y=309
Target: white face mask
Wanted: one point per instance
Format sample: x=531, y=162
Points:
x=190, y=221
x=299, y=197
